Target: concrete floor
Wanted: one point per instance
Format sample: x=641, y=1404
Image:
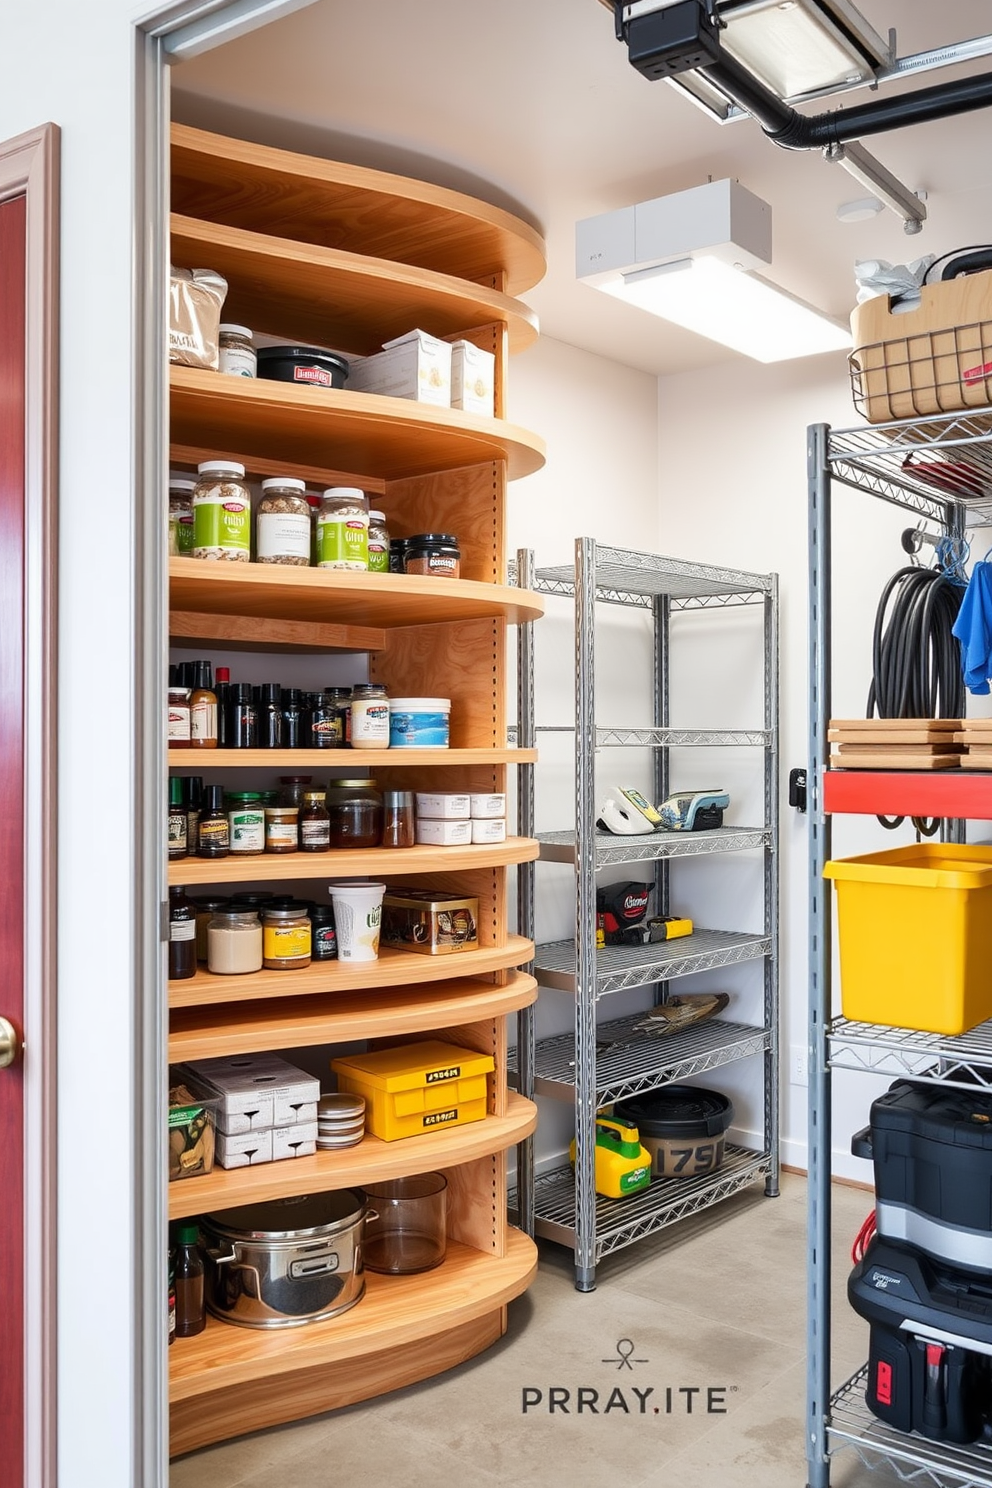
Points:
x=716, y=1303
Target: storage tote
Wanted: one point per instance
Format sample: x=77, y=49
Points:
x=915, y=932
x=416, y=1088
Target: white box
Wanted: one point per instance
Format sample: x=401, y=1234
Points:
x=294, y=1141
x=488, y=829
x=473, y=378
x=483, y=806
x=247, y=1150
x=444, y=806
x=443, y=833
x=414, y=366
x=258, y=1091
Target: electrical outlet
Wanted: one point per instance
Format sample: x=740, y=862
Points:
x=798, y=1065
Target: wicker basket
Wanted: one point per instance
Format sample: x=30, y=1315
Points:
x=936, y=359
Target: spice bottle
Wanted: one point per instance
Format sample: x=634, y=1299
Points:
x=236, y=351
x=292, y=790
x=191, y=1315
x=182, y=935
x=325, y=723
x=286, y=940
x=242, y=718
x=323, y=934
x=194, y=806
x=369, y=716
x=291, y=700
x=270, y=717
x=398, y=819
x=180, y=516
x=378, y=543
x=234, y=941
x=282, y=527
x=178, y=827
x=343, y=529
x=214, y=826
x=222, y=512
x=177, y=714
x=315, y=824
x=282, y=829
x=247, y=822
x=434, y=553
x=203, y=708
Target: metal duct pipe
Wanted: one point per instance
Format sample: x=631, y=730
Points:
x=795, y=131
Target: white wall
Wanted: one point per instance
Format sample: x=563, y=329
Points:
x=732, y=456
x=72, y=64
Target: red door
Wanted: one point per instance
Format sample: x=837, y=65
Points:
x=13, y=218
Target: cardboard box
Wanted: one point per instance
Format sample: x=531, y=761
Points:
x=257, y=1091
x=414, y=366
x=486, y=804
x=294, y=1141
x=428, y=922
x=444, y=805
x=488, y=829
x=473, y=378
x=443, y=833
x=416, y=1088
x=246, y=1150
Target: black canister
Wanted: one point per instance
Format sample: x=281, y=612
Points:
x=325, y=940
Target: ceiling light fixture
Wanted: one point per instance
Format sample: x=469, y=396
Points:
x=861, y=210
x=691, y=259
x=800, y=48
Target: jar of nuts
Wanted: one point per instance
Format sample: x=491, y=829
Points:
x=282, y=529
x=222, y=512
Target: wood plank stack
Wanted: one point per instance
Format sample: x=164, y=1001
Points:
x=898, y=743
x=975, y=739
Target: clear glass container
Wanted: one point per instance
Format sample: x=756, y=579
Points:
x=181, y=516
x=236, y=354
x=355, y=811
x=282, y=523
x=234, y=942
x=282, y=829
x=314, y=823
x=378, y=543
x=369, y=717
x=222, y=513
x=286, y=937
x=247, y=820
x=343, y=529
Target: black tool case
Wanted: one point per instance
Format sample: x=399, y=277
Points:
x=929, y=1364
x=931, y=1147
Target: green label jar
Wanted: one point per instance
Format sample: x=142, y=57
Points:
x=222, y=513
x=343, y=529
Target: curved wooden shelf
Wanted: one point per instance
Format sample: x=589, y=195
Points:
x=343, y=990
x=356, y=862
x=343, y=761
x=335, y=205
x=387, y=438
x=350, y=1167
x=331, y=297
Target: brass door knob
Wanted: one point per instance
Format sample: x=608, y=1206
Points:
x=10, y=1044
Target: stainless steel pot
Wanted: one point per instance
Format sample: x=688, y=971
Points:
x=285, y=1263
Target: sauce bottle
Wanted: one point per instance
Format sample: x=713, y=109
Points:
x=222, y=687
x=203, y=708
x=182, y=935
x=315, y=823
x=194, y=806
x=215, y=826
x=191, y=1315
x=178, y=820
x=270, y=717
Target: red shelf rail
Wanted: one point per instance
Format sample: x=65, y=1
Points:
x=943, y=793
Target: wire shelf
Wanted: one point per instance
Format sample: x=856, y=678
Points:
x=911, y=1457
x=620, y=1222
x=924, y=466
x=559, y=847
x=618, y=967
x=628, y=1063
x=627, y=578
x=963, y=1059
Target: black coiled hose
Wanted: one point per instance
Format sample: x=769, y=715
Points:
x=916, y=660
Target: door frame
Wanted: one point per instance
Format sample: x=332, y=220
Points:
x=29, y=168
x=184, y=28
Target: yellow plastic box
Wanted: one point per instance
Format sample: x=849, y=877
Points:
x=416, y=1088
x=915, y=931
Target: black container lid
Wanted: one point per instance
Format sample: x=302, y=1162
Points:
x=250, y=898
x=960, y=1118
x=203, y=675
x=213, y=798
x=312, y=354
x=240, y=692
x=678, y=1111
x=432, y=539
x=271, y=692
x=322, y=914
x=291, y=697
x=194, y=792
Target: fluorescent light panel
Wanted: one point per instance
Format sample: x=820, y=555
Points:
x=794, y=47
x=737, y=308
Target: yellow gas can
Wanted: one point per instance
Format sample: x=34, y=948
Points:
x=623, y=1166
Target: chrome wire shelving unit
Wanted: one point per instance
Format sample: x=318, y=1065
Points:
x=597, y=1063
x=938, y=468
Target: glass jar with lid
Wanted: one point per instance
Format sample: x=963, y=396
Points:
x=286, y=937
x=236, y=354
x=343, y=529
x=378, y=543
x=222, y=512
x=292, y=788
x=355, y=811
x=282, y=525
x=181, y=490
x=234, y=941
x=314, y=823
x=433, y=553
x=282, y=829
x=246, y=817
x=369, y=716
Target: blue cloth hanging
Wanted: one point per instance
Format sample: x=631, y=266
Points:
x=973, y=628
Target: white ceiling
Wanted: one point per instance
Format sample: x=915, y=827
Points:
x=532, y=105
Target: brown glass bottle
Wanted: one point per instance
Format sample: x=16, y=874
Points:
x=182, y=935
x=203, y=708
x=191, y=1317
x=178, y=820
x=315, y=824
x=214, y=826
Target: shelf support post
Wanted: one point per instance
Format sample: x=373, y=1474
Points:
x=662, y=718
x=585, y=916
x=526, y=739
x=820, y=911
x=771, y=884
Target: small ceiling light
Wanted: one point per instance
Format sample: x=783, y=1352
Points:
x=861, y=210
x=690, y=258
x=803, y=47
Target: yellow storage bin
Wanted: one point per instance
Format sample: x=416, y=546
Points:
x=915, y=931
x=417, y=1088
